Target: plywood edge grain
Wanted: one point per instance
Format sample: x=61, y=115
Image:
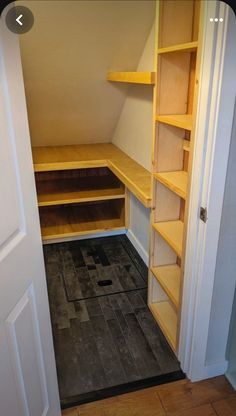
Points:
x=147, y=78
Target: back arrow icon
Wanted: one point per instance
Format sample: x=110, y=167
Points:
x=18, y=19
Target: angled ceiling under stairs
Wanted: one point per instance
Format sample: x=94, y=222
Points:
x=65, y=60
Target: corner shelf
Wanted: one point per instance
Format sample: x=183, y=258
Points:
x=167, y=319
x=172, y=232
x=147, y=78
x=168, y=277
x=175, y=181
x=183, y=121
x=182, y=47
x=73, y=220
x=66, y=192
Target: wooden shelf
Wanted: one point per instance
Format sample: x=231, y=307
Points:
x=172, y=232
x=182, y=47
x=183, y=121
x=66, y=192
x=136, y=178
x=175, y=181
x=168, y=277
x=147, y=78
x=186, y=145
x=167, y=320
x=74, y=220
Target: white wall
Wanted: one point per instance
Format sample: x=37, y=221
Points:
x=133, y=135
x=225, y=274
x=138, y=232
x=66, y=56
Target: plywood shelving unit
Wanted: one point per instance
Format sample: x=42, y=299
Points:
x=70, y=187
x=175, y=95
x=83, y=189
x=147, y=78
x=81, y=219
x=75, y=202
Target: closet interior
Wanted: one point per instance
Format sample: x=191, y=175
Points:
x=90, y=189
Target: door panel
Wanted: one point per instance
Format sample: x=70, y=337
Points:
x=12, y=220
x=26, y=355
x=28, y=380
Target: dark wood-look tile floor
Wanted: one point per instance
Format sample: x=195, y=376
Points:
x=213, y=397
x=104, y=341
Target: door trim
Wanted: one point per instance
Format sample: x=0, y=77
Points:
x=210, y=158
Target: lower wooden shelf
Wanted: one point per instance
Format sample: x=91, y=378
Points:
x=168, y=277
x=166, y=317
x=71, y=220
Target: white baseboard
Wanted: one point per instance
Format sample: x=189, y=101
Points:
x=231, y=377
x=138, y=246
x=85, y=237
x=212, y=370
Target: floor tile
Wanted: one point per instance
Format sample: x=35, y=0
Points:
x=108, y=340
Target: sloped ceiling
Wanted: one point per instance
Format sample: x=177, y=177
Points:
x=65, y=58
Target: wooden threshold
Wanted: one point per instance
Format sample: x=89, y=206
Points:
x=172, y=232
x=166, y=317
x=175, y=181
x=183, y=121
x=182, y=47
x=147, y=78
x=168, y=277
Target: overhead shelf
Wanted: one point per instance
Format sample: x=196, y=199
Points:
x=168, y=277
x=60, y=192
x=167, y=320
x=175, y=181
x=147, y=78
x=73, y=220
x=182, y=47
x=172, y=232
x=183, y=121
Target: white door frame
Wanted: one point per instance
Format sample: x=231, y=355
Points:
x=217, y=90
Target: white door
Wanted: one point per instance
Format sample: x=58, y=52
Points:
x=28, y=381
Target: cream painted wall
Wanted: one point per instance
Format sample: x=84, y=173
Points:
x=66, y=56
x=133, y=135
x=138, y=232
